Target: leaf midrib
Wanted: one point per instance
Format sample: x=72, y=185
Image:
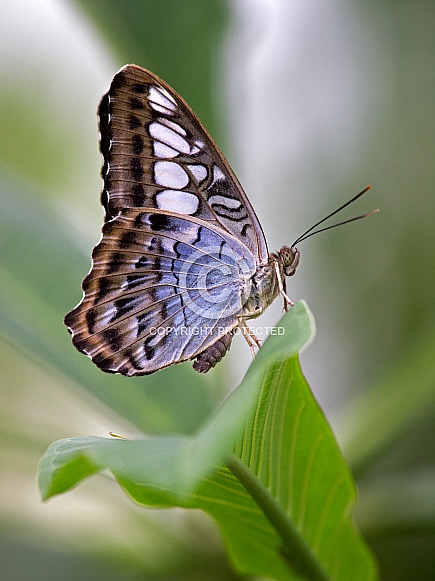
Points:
x=293, y=543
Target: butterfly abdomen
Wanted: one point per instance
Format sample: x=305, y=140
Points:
x=213, y=354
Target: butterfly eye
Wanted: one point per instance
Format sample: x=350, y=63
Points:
x=290, y=259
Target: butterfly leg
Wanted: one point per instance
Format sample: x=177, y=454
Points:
x=249, y=336
x=282, y=289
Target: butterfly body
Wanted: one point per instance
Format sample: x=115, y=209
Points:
x=183, y=260
x=264, y=289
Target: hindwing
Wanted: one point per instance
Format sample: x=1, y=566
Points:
x=163, y=288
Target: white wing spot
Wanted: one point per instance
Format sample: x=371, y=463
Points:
x=104, y=318
x=218, y=174
x=197, y=147
x=169, y=137
x=162, y=150
x=160, y=109
x=161, y=101
x=170, y=174
x=172, y=125
x=229, y=203
x=167, y=94
x=198, y=171
x=176, y=201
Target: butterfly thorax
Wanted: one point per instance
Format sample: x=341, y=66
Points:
x=264, y=288
x=266, y=285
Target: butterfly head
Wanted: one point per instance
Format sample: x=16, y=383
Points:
x=290, y=259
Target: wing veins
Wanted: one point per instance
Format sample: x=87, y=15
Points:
x=144, y=337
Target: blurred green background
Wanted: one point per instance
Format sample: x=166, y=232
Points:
x=310, y=102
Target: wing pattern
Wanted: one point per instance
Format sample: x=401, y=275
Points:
x=157, y=154
x=162, y=289
x=181, y=243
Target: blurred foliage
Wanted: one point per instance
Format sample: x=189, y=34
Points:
x=179, y=41
x=372, y=289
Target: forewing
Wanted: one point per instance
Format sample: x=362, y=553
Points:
x=162, y=289
x=157, y=154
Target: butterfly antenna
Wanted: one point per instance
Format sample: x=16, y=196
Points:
x=310, y=232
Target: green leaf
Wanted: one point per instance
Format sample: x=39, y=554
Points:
x=284, y=501
x=178, y=462
x=63, y=464
x=285, y=504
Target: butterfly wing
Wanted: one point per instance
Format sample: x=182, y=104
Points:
x=163, y=288
x=157, y=154
x=181, y=241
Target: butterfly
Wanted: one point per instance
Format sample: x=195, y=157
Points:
x=183, y=261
